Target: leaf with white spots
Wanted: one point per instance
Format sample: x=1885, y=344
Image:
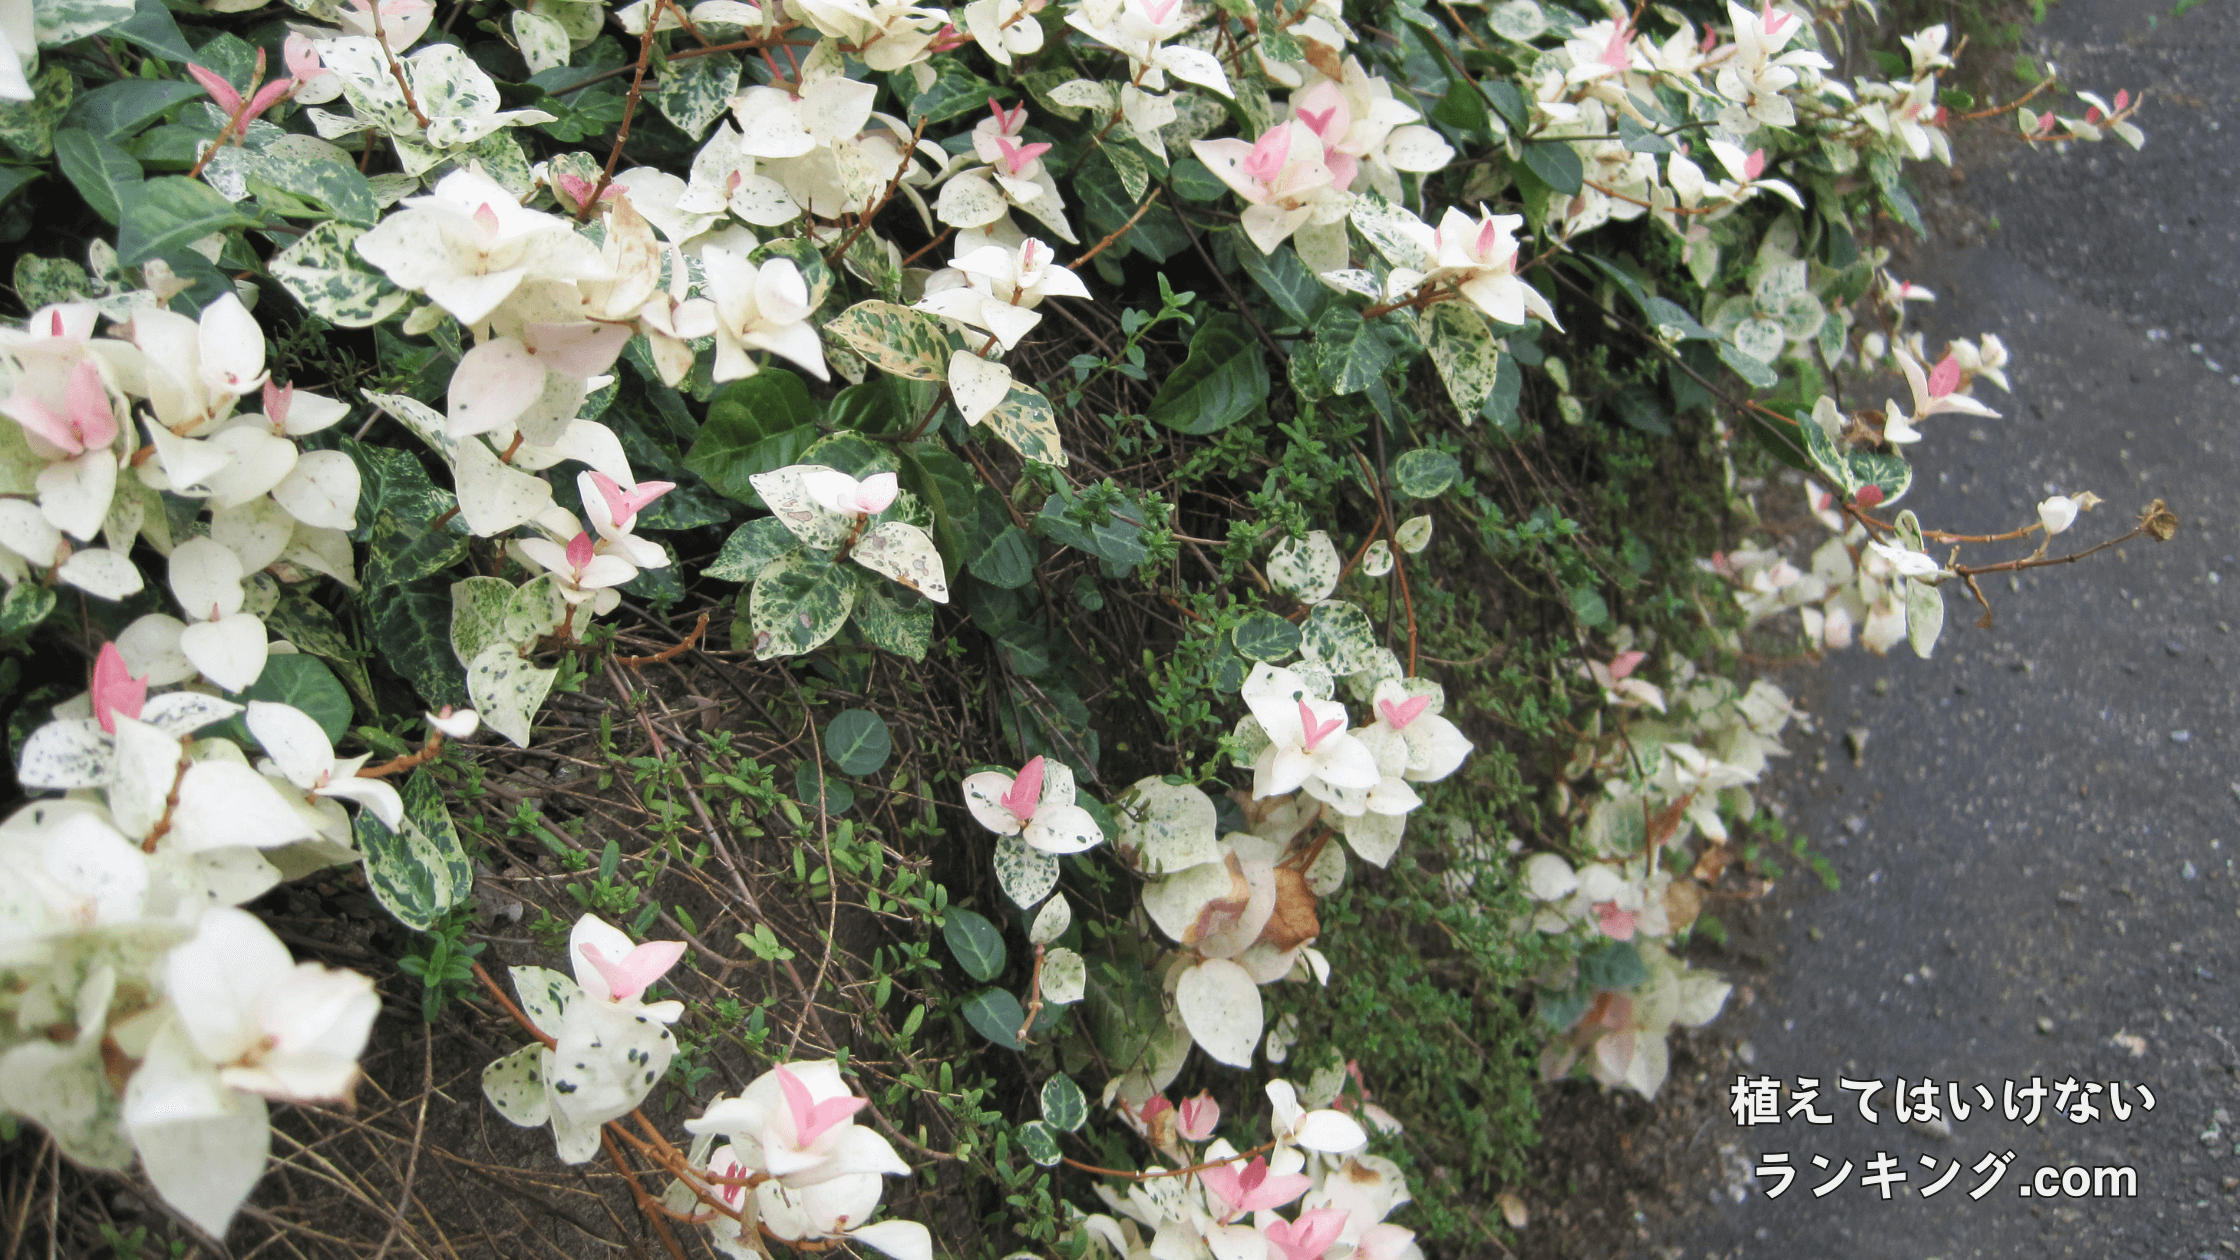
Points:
x=1306, y=568
x=1165, y=827
x=1065, y=977
x=894, y=339
x=799, y=601
x=507, y=690
x=515, y=1084
x=1340, y=637
x=1026, y=875
x=905, y=553
x=1463, y=349
x=1027, y=422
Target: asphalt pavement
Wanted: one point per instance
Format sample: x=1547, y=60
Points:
x=2039, y=840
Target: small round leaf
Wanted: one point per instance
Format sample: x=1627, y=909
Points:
x=1063, y=1103
x=858, y=742
x=976, y=943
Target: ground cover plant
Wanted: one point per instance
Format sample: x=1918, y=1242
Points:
x=1022, y=628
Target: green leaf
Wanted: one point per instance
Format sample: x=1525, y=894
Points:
x=750, y=549
x=115, y=110
x=151, y=27
x=1641, y=409
x=1852, y=470
x=1347, y=355
x=1463, y=107
x=1008, y=560
x=169, y=213
x=419, y=871
x=1105, y=202
x=1754, y=370
x=12, y=179
x=693, y=94
x=1263, y=636
x=754, y=426
x=411, y=630
x=798, y=602
x=306, y=683
x=1191, y=178
x=1508, y=101
x=1588, y=606
x=996, y=1015
x=24, y=606
x=818, y=790
x=1027, y=423
x=1224, y=379
x=333, y=186
x=956, y=91
x=1286, y=281
x=28, y=126
x=1039, y=1142
x=102, y=173
x=895, y=339
x=886, y=624
x=857, y=741
x=1558, y=166
x=1614, y=965
x=1640, y=139
x=977, y=944
x=1063, y=1104
x=1425, y=473
x=1671, y=319
x=399, y=553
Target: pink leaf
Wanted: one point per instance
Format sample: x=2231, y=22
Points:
x=623, y=505
x=1626, y=662
x=1025, y=793
x=811, y=1119
x=1615, y=54
x=1309, y=1236
x=486, y=218
x=2123, y=98
x=580, y=551
x=1008, y=121
x=1315, y=731
x=1269, y=152
x=1754, y=165
x=1199, y=1116
x=1017, y=156
x=1160, y=10
x=1154, y=1107
x=1868, y=496
x=1397, y=716
x=115, y=690
x=215, y=84
x=269, y=95
x=948, y=39
x=1615, y=923
x=2093, y=114
x=46, y=422
x=276, y=401
x=301, y=58
x=1255, y=1189
x=1945, y=376
x=638, y=969
x=92, y=417
x=876, y=492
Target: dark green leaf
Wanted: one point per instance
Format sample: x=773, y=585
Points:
x=1105, y=202
x=977, y=944
x=754, y=426
x=1616, y=965
x=411, y=628
x=151, y=27
x=1039, y=1142
x=1425, y=473
x=750, y=547
x=1588, y=606
x=306, y=683
x=1263, y=636
x=102, y=173
x=1008, y=560
x=1509, y=103
x=996, y=1015
x=168, y=213
x=956, y=91
x=1463, y=107
x=1190, y=178
x=948, y=487
x=857, y=741
x=1754, y=370
x=1222, y=381
x=1642, y=409
x=1639, y=138
x=419, y=871
x=119, y=109
x=24, y=606
x=810, y=783
x=1286, y=281
x=1669, y=317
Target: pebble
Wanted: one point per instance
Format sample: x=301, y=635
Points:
x=2045, y=1026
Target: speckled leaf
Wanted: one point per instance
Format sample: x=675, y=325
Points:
x=545, y=996
x=322, y=270
x=1463, y=349
x=1924, y=616
x=25, y=605
x=1853, y=470
x=750, y=548
x=887, y=624
x=419, y=871
x=1063, y=1103
x=1039, y=1142
x=1027, y=875
x=508, y=690
x=1340, y=637
x=693, y=94
x=1263, y=636
x=1387, y=229
x=1065, y=977
x=1026, y=421
x=798, y=602
x=1306, y=568
x=895, y=339
x=793, y=509
x=515, y=1086
x=28, y=126
x=60, y=21
x=478, y=615
x=904, y=552
x=1166, y=827
x=543, y=41
x=1761, y=339
x=1520, y=20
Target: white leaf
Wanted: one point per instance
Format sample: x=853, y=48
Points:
x=977, y=385
x=297, y=744
x=1331, y=1132
x=230, y=651
x=258, y=531
x=101, y=572
x=27, y=532
x=1082, y=94
x=69, y=753
x=1167, y=827
x=140, y=779
x=904, y=1240
x=74, y=494
x=902, y=551
x=1194, y=65
x=1220, y=1005
x=257, y=461
x=494, y=497
x=321, y=490
x=206, y=577
x=182, y=713
x=223, y=804
x=515, y=1083
x=507, y=691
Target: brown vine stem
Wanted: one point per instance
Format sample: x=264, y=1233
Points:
x=398, y=765
x=1414, y=302
x=894, y=186
x=1400, y=558
x=629, y=110
x=1261, y=1149
x=672, y=653
x=648, y=1206
x=396, y=67
x=1119, y=232
x=170, y=804
x=1034, y=998
x=2015, y=104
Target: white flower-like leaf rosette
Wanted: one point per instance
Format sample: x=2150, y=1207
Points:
x=611, y=1047
x=1036, y=805
x=1307, y=741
